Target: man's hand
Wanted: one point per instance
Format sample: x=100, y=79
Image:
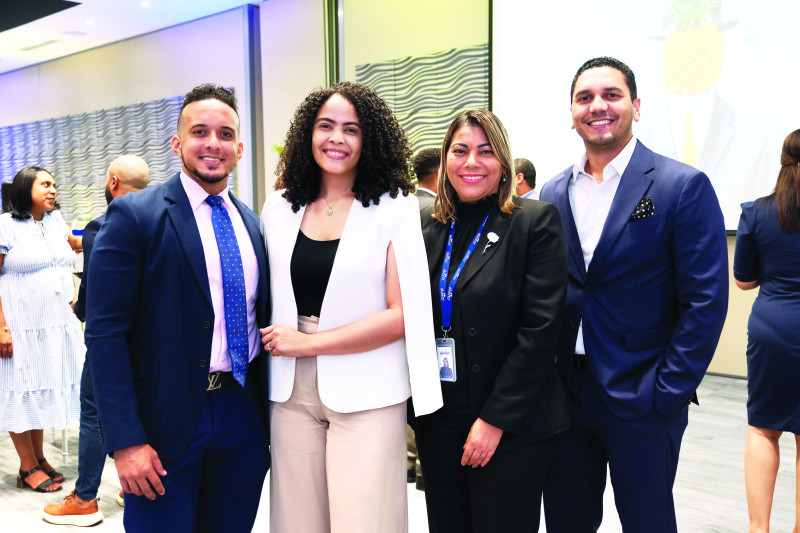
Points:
x=139, y=469
x=481, y=443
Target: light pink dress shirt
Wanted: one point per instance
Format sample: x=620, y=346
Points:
x=220, y=359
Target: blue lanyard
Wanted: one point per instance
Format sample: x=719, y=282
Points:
x=445, y=290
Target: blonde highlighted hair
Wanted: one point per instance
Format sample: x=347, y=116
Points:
x=444, y=207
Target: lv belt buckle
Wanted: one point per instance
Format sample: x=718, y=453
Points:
x=214, y=382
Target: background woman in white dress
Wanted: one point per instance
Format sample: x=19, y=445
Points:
x=41, y=343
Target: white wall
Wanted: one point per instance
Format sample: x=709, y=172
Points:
x=293, y=63
x=158, y=65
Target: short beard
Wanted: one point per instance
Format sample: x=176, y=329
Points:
x=203, y=177
x=108, y=195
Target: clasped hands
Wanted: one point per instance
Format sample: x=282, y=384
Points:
x=481, y=444
x=286, y=341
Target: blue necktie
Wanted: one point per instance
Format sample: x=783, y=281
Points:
x=233, y=288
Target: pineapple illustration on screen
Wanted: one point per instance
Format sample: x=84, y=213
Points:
x=693, y=51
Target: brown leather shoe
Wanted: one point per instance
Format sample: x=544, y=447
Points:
x=73, y=512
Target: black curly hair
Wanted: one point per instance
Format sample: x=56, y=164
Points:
x=209, y=91
x=382, y=166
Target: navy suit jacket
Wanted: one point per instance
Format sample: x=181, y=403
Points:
x=654, y=297
x=150, y=320
x=89, y=234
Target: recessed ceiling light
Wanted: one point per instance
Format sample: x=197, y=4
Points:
x=145, y=3
x=74, y=33
x=90, y=22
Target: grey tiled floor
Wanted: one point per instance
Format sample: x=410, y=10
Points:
x=709, y=489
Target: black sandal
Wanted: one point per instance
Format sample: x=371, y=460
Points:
x=58, y=477
x=22, y=481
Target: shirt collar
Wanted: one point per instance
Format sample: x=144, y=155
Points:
x=615, y=166
x=197, y=195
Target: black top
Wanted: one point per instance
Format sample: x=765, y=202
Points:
x=468, y=220
x=311, y=265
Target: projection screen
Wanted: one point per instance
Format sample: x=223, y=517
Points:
x=715, y=79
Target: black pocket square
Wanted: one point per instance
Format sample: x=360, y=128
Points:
x=644, y=209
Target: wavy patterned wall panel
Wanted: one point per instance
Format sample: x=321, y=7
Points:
x=77, y=149
x=426, y=92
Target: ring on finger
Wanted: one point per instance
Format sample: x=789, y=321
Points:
x=269, y=347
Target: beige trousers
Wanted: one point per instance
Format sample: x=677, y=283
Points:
x=335, y=472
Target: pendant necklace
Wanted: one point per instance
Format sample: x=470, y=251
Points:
x=330, y=207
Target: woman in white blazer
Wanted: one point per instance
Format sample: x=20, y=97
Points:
x=351, y=333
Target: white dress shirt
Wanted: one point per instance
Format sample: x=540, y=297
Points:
x=220, y=358
x=590, y=202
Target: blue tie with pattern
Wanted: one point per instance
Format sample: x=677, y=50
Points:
x=233, y=288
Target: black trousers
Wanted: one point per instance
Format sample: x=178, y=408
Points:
x=502, y=497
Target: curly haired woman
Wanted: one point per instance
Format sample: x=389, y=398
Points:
x=351, y=336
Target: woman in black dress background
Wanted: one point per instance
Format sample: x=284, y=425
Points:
x=768, y=255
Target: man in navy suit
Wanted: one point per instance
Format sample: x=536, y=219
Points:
x=178, y=287
x=647, y=297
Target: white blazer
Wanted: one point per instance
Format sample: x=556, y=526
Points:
x=357, y=288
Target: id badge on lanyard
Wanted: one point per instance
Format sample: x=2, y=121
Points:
x=445, y=346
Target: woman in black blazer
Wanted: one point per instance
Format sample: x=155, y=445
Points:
x=485, y=454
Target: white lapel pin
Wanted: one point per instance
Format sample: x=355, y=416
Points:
x=492, y=238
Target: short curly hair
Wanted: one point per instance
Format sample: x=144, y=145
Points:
x=209, y=91
x=385, y=152
x=427, y=161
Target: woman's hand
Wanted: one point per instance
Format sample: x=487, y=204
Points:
x=6, y=347
x=481, y=443
x=286, y=341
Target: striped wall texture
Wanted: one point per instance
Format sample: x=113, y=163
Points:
x=426, y=92
x=77, y=150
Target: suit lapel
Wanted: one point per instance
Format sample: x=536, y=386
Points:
x=180, y=212
x=561, y=194
x=281, y=247
x=633, y=185
x=498, y=224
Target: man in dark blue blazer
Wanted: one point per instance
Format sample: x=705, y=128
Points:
x=647, y=297
x=178, y=287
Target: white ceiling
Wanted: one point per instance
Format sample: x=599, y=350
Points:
x=96, y=23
